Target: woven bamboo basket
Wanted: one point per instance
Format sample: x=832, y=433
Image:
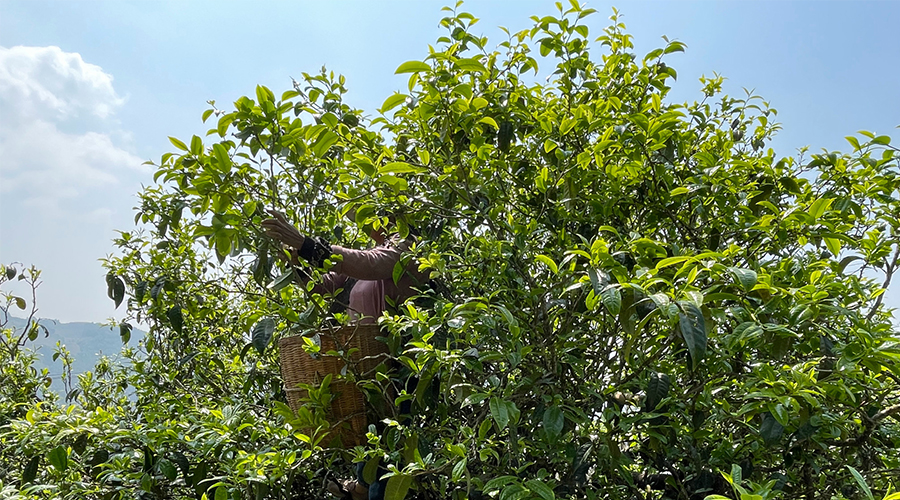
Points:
x=348, y=410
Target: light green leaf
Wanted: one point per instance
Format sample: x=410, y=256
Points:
x=400, y=167
x=178, y=144
x=548, y=262
x=470, y=64
x=392, y=102
x=397, y=487
x=489, y=121
x=412, y=67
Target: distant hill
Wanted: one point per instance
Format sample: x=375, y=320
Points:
x=85, y=341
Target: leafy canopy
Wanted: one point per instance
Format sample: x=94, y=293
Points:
x=633, y=295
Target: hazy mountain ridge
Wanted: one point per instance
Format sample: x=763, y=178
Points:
x=86, y=342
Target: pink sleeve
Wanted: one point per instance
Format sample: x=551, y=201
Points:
x=372, y=264
x=330, y=282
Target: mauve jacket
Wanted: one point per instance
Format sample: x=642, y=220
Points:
x=374, y=269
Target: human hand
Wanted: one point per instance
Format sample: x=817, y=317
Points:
x=278, y=228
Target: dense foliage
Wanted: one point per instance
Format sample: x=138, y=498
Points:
x=633, y=296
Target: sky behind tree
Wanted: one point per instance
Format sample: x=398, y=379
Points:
x=89, y=90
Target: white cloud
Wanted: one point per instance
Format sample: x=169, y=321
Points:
x=45, y=82
x=41, y=165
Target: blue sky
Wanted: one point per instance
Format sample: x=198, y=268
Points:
x=90, y=89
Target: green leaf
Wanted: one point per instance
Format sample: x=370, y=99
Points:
x=392, y=102
x=548, y=262
x=412, y=67
x=679, y=191
x=115, y=288
x=59, y=458
x=178, y=144
x=282, y=281
x=470, y=64
x=30, y=470
x=612, y=299
x=819, y=207
x=770, y=430
x=397, y=487
x=861, y=481
x=489, y=121
x=20, y=302
x=693, y=331
x=125, y=332
x=553, y=421
x=499, y=412
x=222, y=157
x=370, y=470
x=262, y=334
x=657, y=390
x=176, y=319
x=746, y=277
x=833, y=244
x=140, y=290
x=221, y=493
x=540, y=488
x=400, y=167
x=325, y=140
x=167, y=468
x=513, y=492
x=459, y=469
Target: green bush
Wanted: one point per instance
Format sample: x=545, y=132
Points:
x=636, y=295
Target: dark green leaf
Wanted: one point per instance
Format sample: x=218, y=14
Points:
x=140, y=290
x=30, y=470
x=157, y=287
x=10, y=272
x=175, y=318
x=540, y=488
x=59, y=458
x=770, y=430
x=554, y=420
x=657, y=390
x=262, y=334
x=167, y=468
x=282, y=281
x=125, y=332
x=693, y=331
